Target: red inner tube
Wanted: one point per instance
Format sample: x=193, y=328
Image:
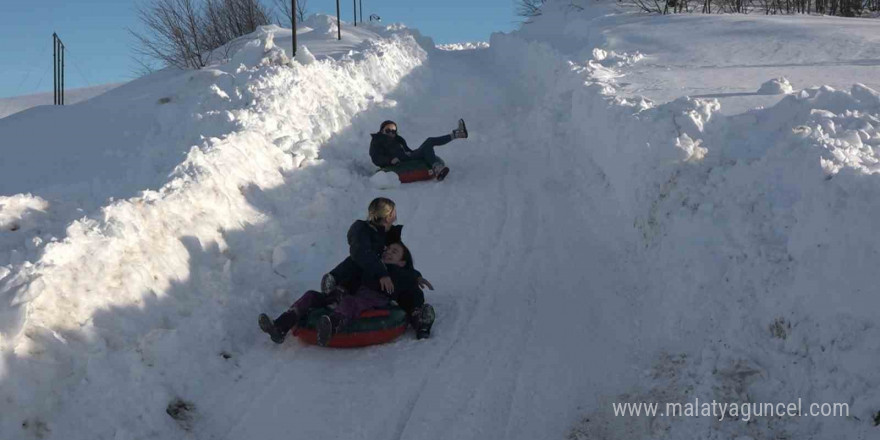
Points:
x=358, y=338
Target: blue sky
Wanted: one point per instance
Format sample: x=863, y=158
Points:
x=99, y=46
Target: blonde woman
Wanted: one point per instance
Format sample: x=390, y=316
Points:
x=367, y=240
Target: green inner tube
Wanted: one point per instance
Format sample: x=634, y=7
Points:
x=395, y=318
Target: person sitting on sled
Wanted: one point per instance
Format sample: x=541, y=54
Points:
x=388, y=148
x=367, y=240
x=408, y=295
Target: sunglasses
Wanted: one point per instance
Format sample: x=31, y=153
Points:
x=389, y=131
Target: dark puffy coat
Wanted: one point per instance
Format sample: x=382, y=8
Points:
x=366, y=243
x=383, y=148
x=404, y=278
x=407, y=292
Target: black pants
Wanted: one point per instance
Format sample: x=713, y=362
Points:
x=347, y=275
x=409, y=300
x=301, y=308
x=425, y=152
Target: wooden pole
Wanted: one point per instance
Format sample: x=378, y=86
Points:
x=338, y=22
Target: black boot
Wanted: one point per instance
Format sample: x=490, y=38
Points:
x=328, y=325
x=267, y=326
x=461, y=131
x=328, y=284
x=440, y=171
x=422, y=320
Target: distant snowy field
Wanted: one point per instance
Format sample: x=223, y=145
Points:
x=16, y=104
x=728, y=57
x=649, y=209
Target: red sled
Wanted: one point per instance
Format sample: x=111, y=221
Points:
x=413, y=171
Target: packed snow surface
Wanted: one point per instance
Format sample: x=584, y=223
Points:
x=610, y=232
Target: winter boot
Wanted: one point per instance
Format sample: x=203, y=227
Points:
x=423, y=320
x=328, y=284
x=440, y=171
x=461, y=131
x=327, y=327
x=268, y=327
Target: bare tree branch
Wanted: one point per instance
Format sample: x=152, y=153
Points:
x=529, y=8
x=181, y=35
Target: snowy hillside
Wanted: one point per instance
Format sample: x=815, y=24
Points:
x=602, y=236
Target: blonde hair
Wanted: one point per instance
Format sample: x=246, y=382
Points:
x=380, y=208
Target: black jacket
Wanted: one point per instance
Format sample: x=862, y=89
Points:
x=383, y=148
x=366, y=243
x=405, y=279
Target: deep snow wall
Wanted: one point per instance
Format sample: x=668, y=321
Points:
x=69, y=326
x=753, y=232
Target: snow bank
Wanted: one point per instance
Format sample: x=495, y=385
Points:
x=464, y=46
x=744, y=225
x=79, y=328
x=16, y=209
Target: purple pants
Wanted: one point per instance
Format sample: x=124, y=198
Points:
x=310, y=300
x=351, y=306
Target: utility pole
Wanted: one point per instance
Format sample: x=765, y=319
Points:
x=338, y=23
x=62, y=71
x=355, y=12
x=54, y=68
x=293, y=24
x=58, y=69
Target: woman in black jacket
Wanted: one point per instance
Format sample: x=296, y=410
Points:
x=388, y=148
x=367, y=240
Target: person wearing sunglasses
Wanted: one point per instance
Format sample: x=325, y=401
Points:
x=389, y=148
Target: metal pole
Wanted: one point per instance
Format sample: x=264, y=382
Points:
x=338, y=23
x=62, y=72
x=293, y=23
x=355, y=12
x=54, y=69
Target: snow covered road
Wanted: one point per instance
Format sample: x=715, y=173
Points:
x=509, y=242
